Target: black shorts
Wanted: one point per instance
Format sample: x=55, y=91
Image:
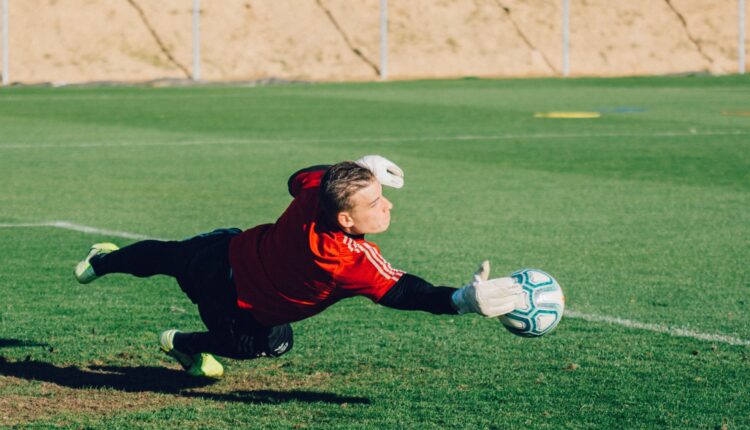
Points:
x=207, y=280
x=206, y=276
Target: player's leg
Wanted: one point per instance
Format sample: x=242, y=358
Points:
x=143, y=259
x=232, y=333
x=194, y=363
x=146, y=258
x=248, y=344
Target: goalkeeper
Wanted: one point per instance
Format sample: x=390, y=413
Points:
x=250, y=285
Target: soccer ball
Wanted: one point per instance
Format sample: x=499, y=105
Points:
x=543, y=307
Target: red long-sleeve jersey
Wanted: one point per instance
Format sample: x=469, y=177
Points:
x=300, y=265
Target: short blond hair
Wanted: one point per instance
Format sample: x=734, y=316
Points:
x=340, y=182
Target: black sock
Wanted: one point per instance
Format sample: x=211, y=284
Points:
x=197, y=342
x=143, y=259
x=217, y=344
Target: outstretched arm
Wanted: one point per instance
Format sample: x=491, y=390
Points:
x=487, y=297
x=385, y=170
x=412, y=293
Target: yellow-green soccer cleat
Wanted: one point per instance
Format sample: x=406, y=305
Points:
x=84, y=272
x=201, y=364
x=205, y=364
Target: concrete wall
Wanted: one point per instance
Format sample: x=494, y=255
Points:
x=338, y=40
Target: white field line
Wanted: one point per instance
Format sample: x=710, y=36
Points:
x=508, y=136
x=657, y=328
x=83, y=229
x=569, y=313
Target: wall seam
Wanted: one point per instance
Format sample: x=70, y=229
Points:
x=523, y=36
x=348, y=42
x=158, y=40
x=693, y=40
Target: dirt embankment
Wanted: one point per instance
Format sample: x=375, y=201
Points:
x=339, y=40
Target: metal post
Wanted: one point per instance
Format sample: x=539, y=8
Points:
x=383, y=40
x=5, y=43
x=741, y=44
x=566, y=38
x=196, y=40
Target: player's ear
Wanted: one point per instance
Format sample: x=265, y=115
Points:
x=345, y=219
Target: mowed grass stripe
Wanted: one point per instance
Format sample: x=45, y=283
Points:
x=400, y=139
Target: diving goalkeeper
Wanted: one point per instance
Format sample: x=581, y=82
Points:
x=251, y=285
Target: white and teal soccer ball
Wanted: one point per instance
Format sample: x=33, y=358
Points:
x=543, y=307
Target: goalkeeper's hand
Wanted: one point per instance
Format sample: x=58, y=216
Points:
x=488, y=297
x=385, y=170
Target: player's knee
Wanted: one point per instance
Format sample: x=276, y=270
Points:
x=280, y=340
x=275, y=342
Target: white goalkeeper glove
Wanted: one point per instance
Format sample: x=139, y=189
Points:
x=488, y=297
x=385, y=170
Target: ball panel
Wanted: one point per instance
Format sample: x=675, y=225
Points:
x=546, y=321
x=527, y=307
x=537, y=278
x=550, y=299
x=513, y=322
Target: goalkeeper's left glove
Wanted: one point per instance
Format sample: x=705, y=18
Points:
x=385, y=170
x=488, y=297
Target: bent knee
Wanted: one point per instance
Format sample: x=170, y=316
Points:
x=280, y=340
x=272, y=343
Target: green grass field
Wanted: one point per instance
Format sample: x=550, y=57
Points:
x=643, y=216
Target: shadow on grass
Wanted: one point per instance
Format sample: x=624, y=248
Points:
x=15, y=343
x=268, y=396
x=157, y=380
x=130, y=379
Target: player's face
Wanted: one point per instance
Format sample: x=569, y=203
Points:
x=371, y=211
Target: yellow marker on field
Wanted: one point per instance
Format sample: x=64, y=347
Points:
x=567, y=115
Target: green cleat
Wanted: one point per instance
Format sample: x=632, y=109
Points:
x=201, y=364
x=84, y=272
x=205, y=364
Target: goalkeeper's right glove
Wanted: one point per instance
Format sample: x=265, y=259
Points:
x=488, y=297
x=385, y=170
